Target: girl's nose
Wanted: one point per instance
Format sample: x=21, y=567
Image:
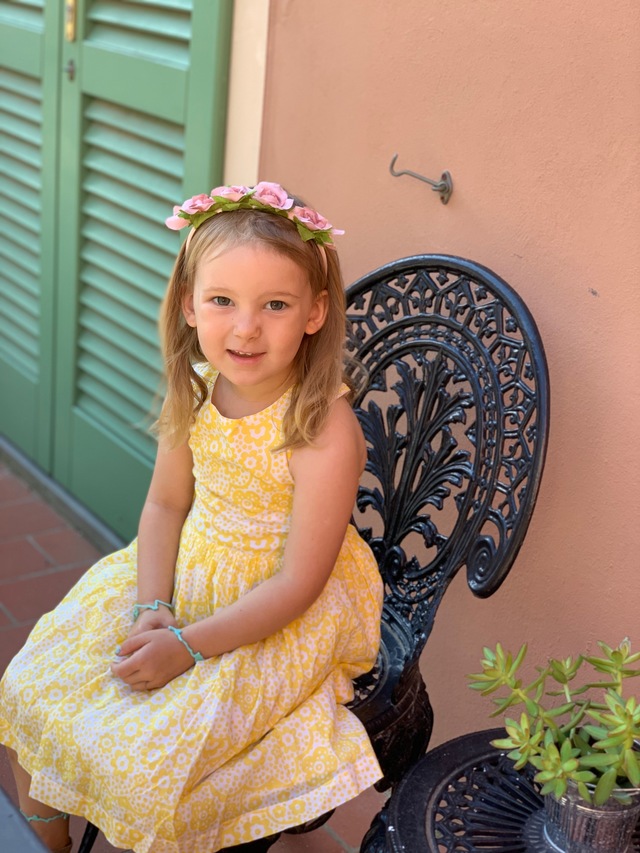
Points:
x=247, y=325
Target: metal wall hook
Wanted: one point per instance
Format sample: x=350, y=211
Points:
x=444, y=186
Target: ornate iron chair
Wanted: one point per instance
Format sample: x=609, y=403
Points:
x=455, y=412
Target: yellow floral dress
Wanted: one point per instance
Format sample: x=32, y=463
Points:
x=241, y=745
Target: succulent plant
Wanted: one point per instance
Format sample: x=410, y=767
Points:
x=588, y=734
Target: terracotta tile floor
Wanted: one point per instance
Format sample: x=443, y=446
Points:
x=41, y=557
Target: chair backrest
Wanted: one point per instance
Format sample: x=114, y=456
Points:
x=455, y=413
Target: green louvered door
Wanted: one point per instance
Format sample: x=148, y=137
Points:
x=28, y=117
x=142, y=98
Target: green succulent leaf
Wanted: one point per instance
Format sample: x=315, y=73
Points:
x=610, y=742
x=520, y=760
x=561, y=709
x=531, y=706
x=602, y=759
x=578, y=691
x=584, y=792
x=583, y=776
x=546, y=776
x=632, y=767
x=503, y=743
x=560, y=788
x=519, y=658
x=567, y=751
x=605, y=786
x=508, y=702
x=597, y=685
x=581, y=742
x=596, y=732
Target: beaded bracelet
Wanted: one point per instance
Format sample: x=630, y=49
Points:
x=178, y=632
x=156, y=604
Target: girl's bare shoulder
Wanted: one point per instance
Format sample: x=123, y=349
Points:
x=340, y=442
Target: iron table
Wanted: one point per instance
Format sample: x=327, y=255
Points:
x=463, y=797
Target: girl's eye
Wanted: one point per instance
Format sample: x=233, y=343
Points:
x=276, y=305
x=222, y=301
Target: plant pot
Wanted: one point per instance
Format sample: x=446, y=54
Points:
x=572, y=825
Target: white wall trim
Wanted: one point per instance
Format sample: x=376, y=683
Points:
x=246, y=91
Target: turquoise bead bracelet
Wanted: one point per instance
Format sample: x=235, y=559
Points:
x=178, y=632
x=137, y=608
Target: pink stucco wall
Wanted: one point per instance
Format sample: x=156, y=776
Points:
x=535, y=110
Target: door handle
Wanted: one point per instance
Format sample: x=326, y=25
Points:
x=70, y=20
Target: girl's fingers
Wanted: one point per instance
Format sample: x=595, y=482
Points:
x=133, y=643
x=135, y=679
x=126, y=669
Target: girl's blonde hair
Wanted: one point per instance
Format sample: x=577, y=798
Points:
x=319, y=363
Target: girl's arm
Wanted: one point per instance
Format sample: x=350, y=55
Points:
x=326, y=477
x=165, y=509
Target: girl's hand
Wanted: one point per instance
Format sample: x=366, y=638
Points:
x=153, y=658
x=149, y=620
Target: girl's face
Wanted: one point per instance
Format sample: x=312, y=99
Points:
x=251, y=308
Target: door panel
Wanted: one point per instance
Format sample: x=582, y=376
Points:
x=130, y=166
x=21, y=185
x=28, y=117
x=123, y=170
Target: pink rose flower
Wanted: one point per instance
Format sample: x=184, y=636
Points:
x=273, y=195
x=234, y=193
x=197, y=204
x=313, y=220
x=176, y=222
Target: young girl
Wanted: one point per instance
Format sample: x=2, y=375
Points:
x=188, y=694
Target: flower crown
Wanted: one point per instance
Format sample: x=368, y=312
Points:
x=265, y=196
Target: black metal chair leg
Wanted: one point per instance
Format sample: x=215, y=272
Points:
x=261, y=845
x=88, y=839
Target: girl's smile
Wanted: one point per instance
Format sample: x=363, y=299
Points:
x=245, y=356
x=251, y=308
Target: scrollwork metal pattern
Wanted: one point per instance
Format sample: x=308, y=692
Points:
x=486, y=808
x=455, y=414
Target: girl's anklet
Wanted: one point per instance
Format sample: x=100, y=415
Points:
x=36, y=817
